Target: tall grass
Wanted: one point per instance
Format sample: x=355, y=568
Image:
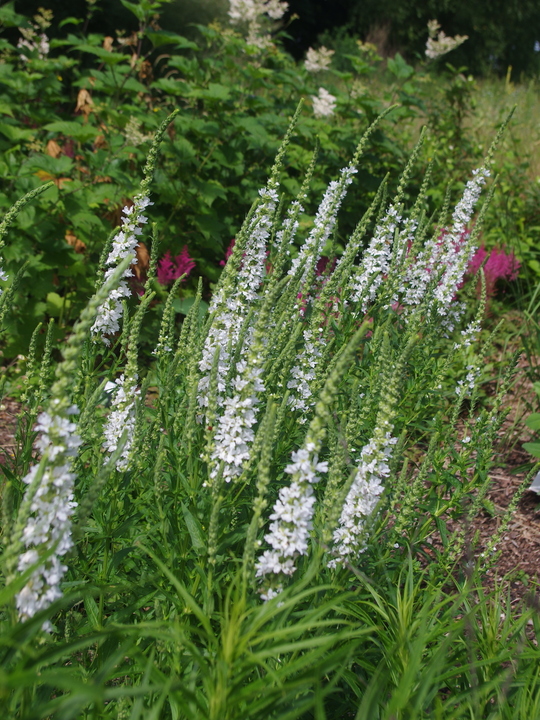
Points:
x=256, y=527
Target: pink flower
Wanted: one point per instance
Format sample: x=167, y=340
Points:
x=500, y=265
x=170, y=269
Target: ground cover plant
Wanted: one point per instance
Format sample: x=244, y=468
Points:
x=256, y=525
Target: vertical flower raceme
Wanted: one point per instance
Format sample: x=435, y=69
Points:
x=444, y=259
x=376, y=260
x=324, y=104
x=231, y=309
x=49, y=525
x=303, y=373
x=324, y=223
x=457, y=254
x=363, y=496
x=292, y=516
x=124, y=245
x=43, y=528
x=121, y=419
x=235, y=434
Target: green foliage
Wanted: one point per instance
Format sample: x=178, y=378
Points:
x=81, y=115
x=161, y=615
x=501, y=33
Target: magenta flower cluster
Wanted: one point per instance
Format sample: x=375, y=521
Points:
x=170, y=269
x=500, y=265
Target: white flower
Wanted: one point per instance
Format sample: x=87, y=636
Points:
x=231, y=312
x=124, y=245
x=3, y=276
x=438, y=43
x=292, y=515
x=324, y=222
x=362, y=497
x=49, y=525
x=447, y=255
x=376, y=259
x=457, y=251
x=133, y=134
x=317, y=60
x=324, y=103
x=303, y=373
x=248, y=10
x=121, y=418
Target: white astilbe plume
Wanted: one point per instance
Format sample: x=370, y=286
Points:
x=231, y=309
x=249, y=10
x=292, y=517
x=121, y=418
x=49, y=525
x=362, y=497
x=324, y=104
x=303, y=374
x=124, y=245
x=439, y=43
x=375, y=262
x=317, y=60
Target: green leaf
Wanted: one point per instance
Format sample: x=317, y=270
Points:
x=533, y=421
x=92, y=612
x=108, y=57
x=73, y=129
x=56, y=304
x=398, y=67
x=164, y=37
x=14, y=133
x=183, y=306
x=137, y=10
x=195, y=530
x=208, y=190
x=533, y=448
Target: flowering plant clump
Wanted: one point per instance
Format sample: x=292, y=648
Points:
x=252, y=12
x=260, y=493
x=500, y=265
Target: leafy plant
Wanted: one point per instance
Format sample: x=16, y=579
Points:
x=145, y=574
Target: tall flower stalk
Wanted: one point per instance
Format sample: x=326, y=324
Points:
x=42, y=532
x=124, y=245
x=292, y=515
